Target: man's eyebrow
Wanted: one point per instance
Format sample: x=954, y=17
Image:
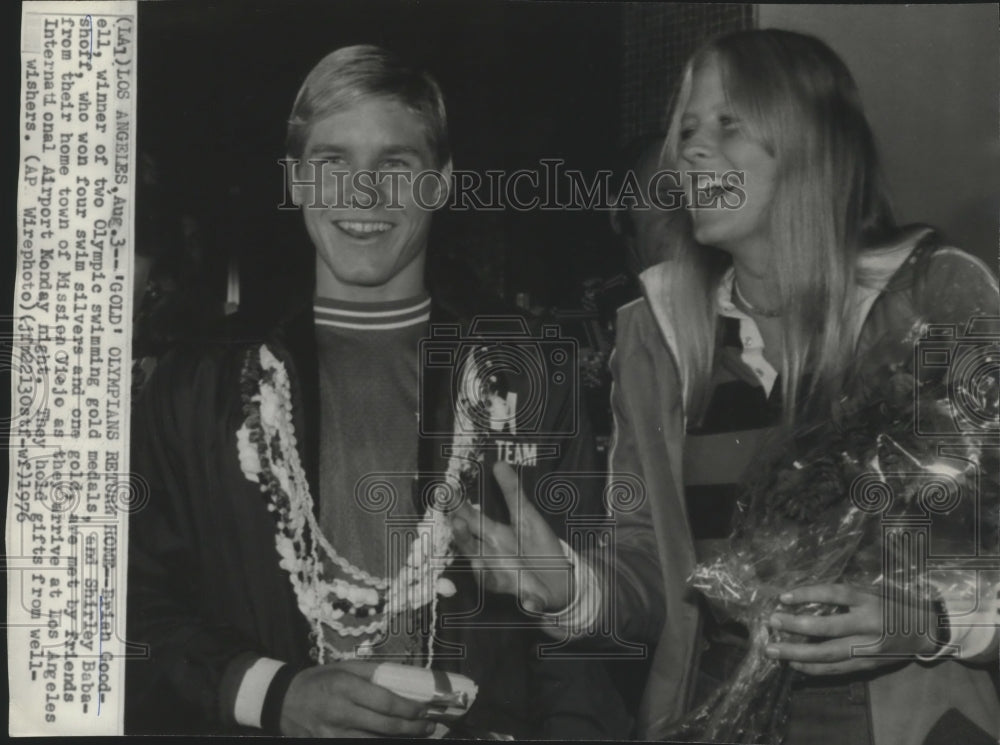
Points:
x=401, y=150
x=325, y=147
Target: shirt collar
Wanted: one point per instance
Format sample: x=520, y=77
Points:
x=751, y=340
x=386, y=315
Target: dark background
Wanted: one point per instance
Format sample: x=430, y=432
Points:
x=522, y=81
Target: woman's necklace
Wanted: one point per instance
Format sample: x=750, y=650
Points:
x=750, y=307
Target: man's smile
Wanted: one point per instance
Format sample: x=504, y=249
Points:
x=362, y=229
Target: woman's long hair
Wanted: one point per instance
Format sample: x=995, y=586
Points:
x=798, y=100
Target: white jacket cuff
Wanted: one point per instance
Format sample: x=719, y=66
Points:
x=253, y=689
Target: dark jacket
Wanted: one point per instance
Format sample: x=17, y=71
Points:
x=204, y=580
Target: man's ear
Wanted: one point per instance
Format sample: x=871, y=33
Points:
x=443, y=185
x=433, y=193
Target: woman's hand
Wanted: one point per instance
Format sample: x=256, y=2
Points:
x=863, y=625
x=524, y=559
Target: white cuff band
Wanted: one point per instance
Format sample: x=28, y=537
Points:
x=253, y=690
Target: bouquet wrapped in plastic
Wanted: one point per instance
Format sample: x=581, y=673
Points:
x=860, y=497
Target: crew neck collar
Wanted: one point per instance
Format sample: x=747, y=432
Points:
x=382, y=314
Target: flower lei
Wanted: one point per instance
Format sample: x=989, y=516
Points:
x=268, y=455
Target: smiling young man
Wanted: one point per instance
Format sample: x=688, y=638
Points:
x=232, y=633
x=369, y=227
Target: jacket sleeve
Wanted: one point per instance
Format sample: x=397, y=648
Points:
x=180, y=669
x=573, y=696
x=958, y=291
x=633, y=584
x=942, y=311
x=619, y=581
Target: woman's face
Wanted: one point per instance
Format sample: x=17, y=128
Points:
x=729, y=176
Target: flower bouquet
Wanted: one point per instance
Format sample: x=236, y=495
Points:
x=832, y=502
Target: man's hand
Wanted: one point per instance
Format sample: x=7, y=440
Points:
x=339, y=700
x=506, y=555
x=861, y=625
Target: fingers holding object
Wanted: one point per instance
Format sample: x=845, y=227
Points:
x=834, y=594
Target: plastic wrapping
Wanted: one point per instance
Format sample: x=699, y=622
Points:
x=866, y=497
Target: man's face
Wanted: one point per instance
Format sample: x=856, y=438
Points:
x=370, y=234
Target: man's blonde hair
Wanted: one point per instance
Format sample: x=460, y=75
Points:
x=354, y=74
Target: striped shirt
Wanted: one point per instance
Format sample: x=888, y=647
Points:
x=744, y=408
